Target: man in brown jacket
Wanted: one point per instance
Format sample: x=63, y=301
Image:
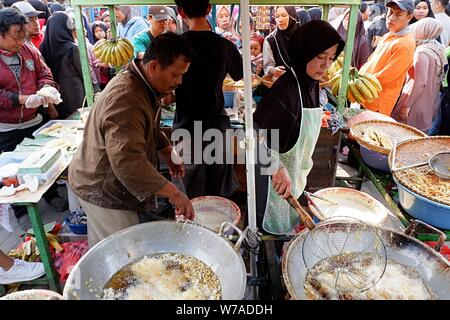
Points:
x=114, y=172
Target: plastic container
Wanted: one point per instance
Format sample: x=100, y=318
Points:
x=433, y=213
x=76, y=228
x=374, y=159
x=228, y=97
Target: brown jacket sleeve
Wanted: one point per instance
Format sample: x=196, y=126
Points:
x=124, y=133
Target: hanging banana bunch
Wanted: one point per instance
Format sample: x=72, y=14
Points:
x=362, y=87
x=334, y=68
x=114, y=52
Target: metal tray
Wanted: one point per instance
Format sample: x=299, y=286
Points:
x=63, y=122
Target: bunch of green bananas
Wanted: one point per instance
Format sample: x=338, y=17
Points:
x=362, y=87
x=114, y=52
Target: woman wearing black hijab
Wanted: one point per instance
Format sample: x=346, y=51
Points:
x=62, y=55
x=291, y=110
x=276, y=59
x=361, y=48
x=315, y=13
x=303, y=16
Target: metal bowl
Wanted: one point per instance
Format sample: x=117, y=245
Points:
x=432, y=266
x=93, y=271
x=440, y=163
x=421, y=208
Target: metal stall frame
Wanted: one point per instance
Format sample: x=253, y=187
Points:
x=249, y=142
x=78, y=4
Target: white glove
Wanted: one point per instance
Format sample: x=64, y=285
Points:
x=50, y=94
x=34, y=101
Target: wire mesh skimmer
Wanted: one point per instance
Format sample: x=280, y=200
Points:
x=348, y=250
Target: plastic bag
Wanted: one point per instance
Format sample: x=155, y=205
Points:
x=65, y=261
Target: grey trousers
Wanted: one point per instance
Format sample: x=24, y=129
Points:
x=103, y=222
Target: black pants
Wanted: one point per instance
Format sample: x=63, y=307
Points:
x=8, y=142
x=445, y=116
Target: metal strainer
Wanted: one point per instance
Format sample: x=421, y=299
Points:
x=354, y=257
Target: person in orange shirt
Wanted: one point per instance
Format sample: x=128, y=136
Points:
x=393, y=56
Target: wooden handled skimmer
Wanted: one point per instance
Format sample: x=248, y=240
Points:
x=304, y=216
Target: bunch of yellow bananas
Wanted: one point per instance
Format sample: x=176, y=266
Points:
x=362, y=87
x=335, y=67
x=114, y=52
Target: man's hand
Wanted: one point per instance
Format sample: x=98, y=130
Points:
x=183, y=206
x=52, y=112
x=34, y=101
x=282, y=183
x=175, y=162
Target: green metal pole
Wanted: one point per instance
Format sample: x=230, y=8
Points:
x=431, y=237
x=42, y=244
x=113, y=22
x=88, y=86
x=342, y=99
x=325, y=12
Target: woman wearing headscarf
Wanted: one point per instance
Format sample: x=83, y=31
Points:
x=223, y=19
x=56, y=7
x=291, y=112
x=419, y=102
x=129, y=26
x=315, y=13
x=361, y=49
x=377, y=28
x=422, y=9
x=303, y=16
x=62, y=55
x=100, y=31
x=173, y=24
x=275, y=48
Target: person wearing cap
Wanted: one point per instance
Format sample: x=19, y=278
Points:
x=34, y=35
x=157, y=16
x=393, y=56
x=129, y=26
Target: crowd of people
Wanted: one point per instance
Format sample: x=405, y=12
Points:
x=177, y=50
